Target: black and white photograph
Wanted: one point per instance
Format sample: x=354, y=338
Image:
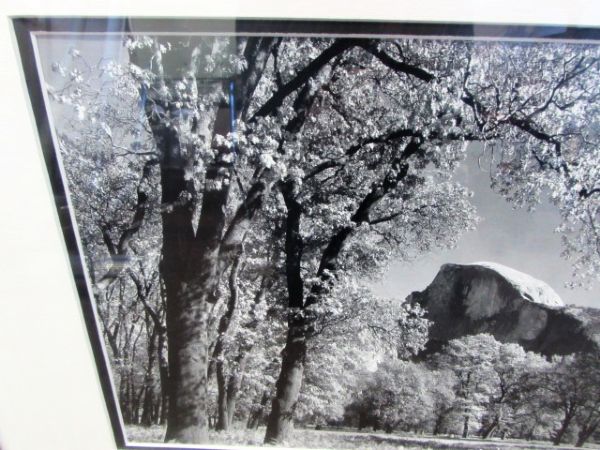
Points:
x=329, y=235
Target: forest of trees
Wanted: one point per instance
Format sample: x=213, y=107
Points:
x=233, y=195
x=480, y=386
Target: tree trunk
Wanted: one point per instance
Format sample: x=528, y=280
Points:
x=138, y=405
x=560, y=433
x=186, y=307
x=439, y=421
x=149, y=381
x=289, y=382
x=188, y=363
x=584, y=434
x=465, y=432
x=231, y=403
x=280, y=421
x=257, y=414
x=148, y=403
x=189, y=254
x=487, y=431
x=581, y=439
x=124, y=397
x=235, y=383
x=222, y=416
x=218, y=355
x=163, y=372
x=299, y=322
x=530, y=433
x=363, y=421
x=157, y=410
x=189, y=268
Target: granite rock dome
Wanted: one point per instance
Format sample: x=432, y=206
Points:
x=512, y=306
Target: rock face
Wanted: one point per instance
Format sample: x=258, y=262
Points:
x=508, y=304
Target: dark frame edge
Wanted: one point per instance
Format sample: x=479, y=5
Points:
x=24, y=26
x=315, y=27
x=32, y=80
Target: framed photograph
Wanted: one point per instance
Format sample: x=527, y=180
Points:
x=329, y=234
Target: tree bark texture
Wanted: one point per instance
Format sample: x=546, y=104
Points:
x=257, y=413
x=189, y=285
x=465, y=432
x=188, y=266
x=584, y=434
x=280, y=421
x=560, y=433
x=589, y=425
x=293, y=356
x=234, y=384
x=222, y=417
x=489, y=429
x=439, y=422
x=149, y=381
x=163, y=364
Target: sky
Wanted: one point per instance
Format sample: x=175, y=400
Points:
x=516, y=238
x=53, y=49
x=520, y=239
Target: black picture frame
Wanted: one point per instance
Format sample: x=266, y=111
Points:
x=26, y=27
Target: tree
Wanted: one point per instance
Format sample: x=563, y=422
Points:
x=538, y=105
x=403, y=395
x=357, y=138
x=356, y=327
x=452, y=107
x=513, y=366
x=398, y=397
x=356, y=197
x=442, y=390
x=472, y=360
x=588, y=418
x=244, y=323
x=113, y=192
x=571, y=387
x=170, y=77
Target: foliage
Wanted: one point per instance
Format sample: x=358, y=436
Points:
x=280, y=173
x=403, y=395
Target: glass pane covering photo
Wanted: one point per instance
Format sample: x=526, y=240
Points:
x=344, y=235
